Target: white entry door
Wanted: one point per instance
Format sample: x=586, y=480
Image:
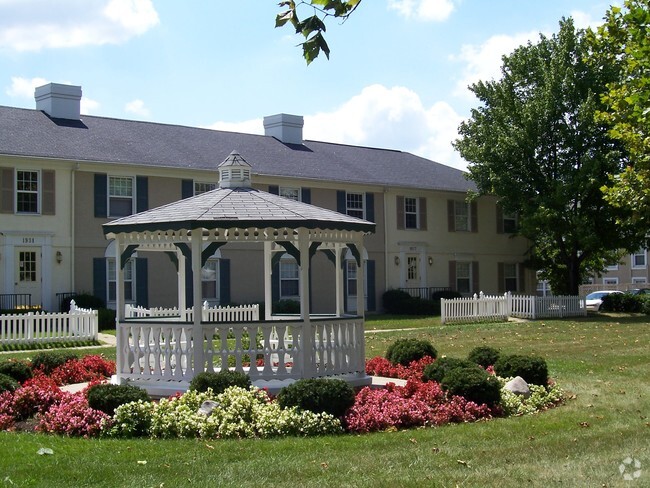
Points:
x=28, y=272
x=412, y=271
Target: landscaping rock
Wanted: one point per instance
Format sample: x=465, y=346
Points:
x=207, y=407
x=518, y=386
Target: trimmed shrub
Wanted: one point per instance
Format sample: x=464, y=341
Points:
x=48, y=361
x=318, y=395
x=446, y=294
x=393, y=301
x=531, y=369
x=473, y=384
x=7, y=383
x=286, y=307
x=404, y=351
x=439, y=369
x=83, y=300
x=21, y=371
x=219, y=381
x=484, y=356
x=106, y=397
x=645, y=308
x=622, y=302
x=106, y=319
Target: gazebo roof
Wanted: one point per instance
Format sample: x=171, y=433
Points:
x=226, y=208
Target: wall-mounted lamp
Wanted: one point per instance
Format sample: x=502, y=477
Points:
x=59, y=257
x=430, y=261
x=396, y=260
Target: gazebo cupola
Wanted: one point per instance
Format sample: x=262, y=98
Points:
x=234, y=172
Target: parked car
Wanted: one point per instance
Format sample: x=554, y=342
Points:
x=639, y=291
x=594, y=300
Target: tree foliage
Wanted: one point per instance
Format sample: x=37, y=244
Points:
x=624, y=40
x=536, y=145
x=313, y=27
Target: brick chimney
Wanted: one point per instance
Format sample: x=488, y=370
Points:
x=59, y=101
x=284, y=127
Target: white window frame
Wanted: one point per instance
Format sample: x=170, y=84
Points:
x=288, y=263
x=351, y=276
x=514, y=269
x=512, y=227
x=36, y=192
x=462, y=220
x=111, y=279
x=610, y=280
x=291, y=193
x=467, y=277
x=640, y=280
x=415, y=213
x=413, y=268
x=203, y=187
x=123, y=197
x=643, y=253
x=211, y=266
x=354, y=210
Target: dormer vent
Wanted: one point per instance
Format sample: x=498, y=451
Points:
x=234, y=172
x=59, y=101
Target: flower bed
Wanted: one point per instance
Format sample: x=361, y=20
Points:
x=241, y=412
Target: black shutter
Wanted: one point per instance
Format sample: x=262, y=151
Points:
x=141, y=193
x=48, y=205
x=274, y=189
x=372, y=299
x=341, y=203
x=224, y=281
x=7, y=190
x=101, y=195
x=99, y=279
x=305, y=193
x=400, y=212
x=370, y=207
x=474, y=216
x=187, y=188
x=141, y=282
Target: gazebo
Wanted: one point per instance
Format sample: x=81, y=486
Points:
x=163, y=354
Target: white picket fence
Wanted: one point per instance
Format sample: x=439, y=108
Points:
x=484, y=308
x=239, y=313
x=40, y=327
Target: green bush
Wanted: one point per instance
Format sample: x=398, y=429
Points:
x=291, y=307
x=48, y=361
x=83, y=300
x=7, y=383
x=21, y=371
x=474, y=384
x=107, y=397
x=484, y=356
x=393, y=301
x=219, y=381
x=318, y=395
x=645, y=307
x=446, y=294
x=437, y=370
x=623, y=303
x=531, y=369
x=404, y=351
x=399, y=302
x=106, y=319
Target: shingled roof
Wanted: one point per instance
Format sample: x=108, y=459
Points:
x=25, y=132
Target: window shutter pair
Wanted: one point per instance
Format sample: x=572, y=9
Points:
x=475, y=276
x=422, y=213
x=101, y=194
x=100, y=280
x=224, y=282
x=342, y=207
x=47, y=193
x=451, y=216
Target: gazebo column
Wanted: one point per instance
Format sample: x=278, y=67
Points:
x=268, y=270
x=338, y=264
x=307, y=332
x=119, y=308
x=197, y=329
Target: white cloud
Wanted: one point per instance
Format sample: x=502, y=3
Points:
x=137, y=107
x=483, y=62
x=32, y=25
x=425, y=10
x=584, y=20
x=392, y=118
x=24, y=88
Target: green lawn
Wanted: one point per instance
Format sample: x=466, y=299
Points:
x=603, y=362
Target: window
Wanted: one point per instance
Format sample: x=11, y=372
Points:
x=509, y=223
x=289, y=279
x=27, y=192
x=210, y=280
x=129, y=295
x=202, y=187
x=639, y=260
x=610, y=281
x=510, y=273
x=411, y=213
x=612, y=267
x=290, y=193
x=412, y=268
x=352, y=278
x=461, y=216
x=120, y=196
x=463, y=277
x=27, y=263
x=354, y=205
x=642, y=280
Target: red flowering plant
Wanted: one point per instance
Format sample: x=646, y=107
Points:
x=88, y=368
x=379, y=366
x=72, y=416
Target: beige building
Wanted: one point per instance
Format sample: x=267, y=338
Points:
x=631, y=272
x=63, y=175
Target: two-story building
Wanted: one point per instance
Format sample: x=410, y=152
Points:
x=63, y=175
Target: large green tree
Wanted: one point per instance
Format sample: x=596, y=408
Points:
x=312, y=27
x=624, y=39
x=535, y=143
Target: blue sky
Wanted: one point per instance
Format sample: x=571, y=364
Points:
x=396, y=77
